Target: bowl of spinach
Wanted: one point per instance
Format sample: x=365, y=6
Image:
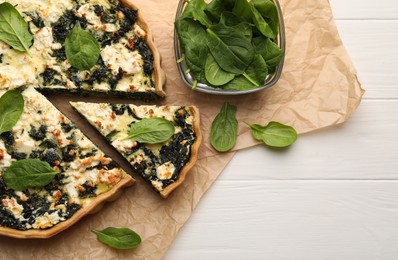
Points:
x=229, y=47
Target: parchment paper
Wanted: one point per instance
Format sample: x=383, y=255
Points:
x=318, y=88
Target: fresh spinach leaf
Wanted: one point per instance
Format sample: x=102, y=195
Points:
x=269, y=50
x=11, y=108
x=260, y=23
x=195, y=10
x=268, y=10
x=240, y=83
x=243, y=10
x=257, y=71
x=231, y=20
x=195, y=57
x=14, y=30
x=215, y=75
x=274, y=134
x=231, y=49
x=216, y=7
x=252, y=78
x=151, y=130
x=28, y=173
x=81, y=48
x=191, y=34
x=224, y=129
x=119, y=238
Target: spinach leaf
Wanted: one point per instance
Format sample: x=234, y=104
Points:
x=195, y=57
x=195, y=10
x=242, y=9
x=28, y=173
x=191, y=34
x=260, y=23
x=274, y=134
x=216, y=7
x=231, y=20
x=231, y=49
x=240, y=83
x=252, y=78
x=268, y=10
x=11, y=108
x=269, y=50
x=14, y=29
x=224, y=129
x=81, y=48
x=151, y=130
x=257, y=71
x=215, y=75
x=119, y=238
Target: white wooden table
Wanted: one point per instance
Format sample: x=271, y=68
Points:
x=334, y=194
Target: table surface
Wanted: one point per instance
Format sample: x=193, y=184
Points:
x=334, y=193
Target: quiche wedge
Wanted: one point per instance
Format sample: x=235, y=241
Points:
x=164, y=165
x=128, y=64
x=86, y=179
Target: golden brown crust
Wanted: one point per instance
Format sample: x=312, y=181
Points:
x=194, y=154
x=93, y=207
x=160, y=76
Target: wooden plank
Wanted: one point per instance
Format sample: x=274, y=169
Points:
x=293, y=220
x=359, y=9
x=372, y=48
x=365, y=147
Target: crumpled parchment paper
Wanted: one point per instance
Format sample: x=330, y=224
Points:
x=318, y=88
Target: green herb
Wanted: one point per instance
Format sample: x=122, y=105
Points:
x=81, y=48
x=191, y=34
x=224, y=129
x=28, y=173
x=257, y=71
x=215, y=75
x=11, y=108
x=14, y=30
x=268, y=10
x=260, y=23
x=230, y=48
x=274, y=134
x=216, y=7
x=195, y=10
x=151, y=130
x=221, y=42
x=237, y=23
x=270, y=52
x=119, y=238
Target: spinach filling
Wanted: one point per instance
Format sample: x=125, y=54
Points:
x=37, y=20
x=36, y=204
x=100, y=73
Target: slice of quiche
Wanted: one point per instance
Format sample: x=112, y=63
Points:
x=86, y=178
x=128, y=64
x=165, y=164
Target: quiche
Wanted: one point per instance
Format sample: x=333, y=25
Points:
x=128, y=64
x=86, y=178
x=164, y=165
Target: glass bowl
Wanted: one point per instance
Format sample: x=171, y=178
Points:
x=188, y=79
